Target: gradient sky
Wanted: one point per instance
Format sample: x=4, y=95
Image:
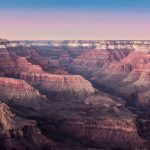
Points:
x=75, y=19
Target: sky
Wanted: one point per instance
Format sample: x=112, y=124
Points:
x=75, y=19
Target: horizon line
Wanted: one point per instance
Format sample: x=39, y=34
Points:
x=74, y=39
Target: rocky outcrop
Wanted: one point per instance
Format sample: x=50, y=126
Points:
x=20, y=134
x=9, y=121
x=103, y=100
x=20, y=93
x=55, y=86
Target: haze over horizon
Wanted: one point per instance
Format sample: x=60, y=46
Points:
x=75, y=20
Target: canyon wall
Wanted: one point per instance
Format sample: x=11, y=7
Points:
x=94, y=94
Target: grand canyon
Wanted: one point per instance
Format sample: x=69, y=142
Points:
x=74, y=95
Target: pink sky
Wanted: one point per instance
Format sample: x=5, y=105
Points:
x=76, y=26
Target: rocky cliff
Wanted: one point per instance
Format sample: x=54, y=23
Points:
x=49, y=84
x=20, y=93
x=88, y=93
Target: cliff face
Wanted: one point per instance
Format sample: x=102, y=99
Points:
x=20, y=93
x=128, y=78
x=50, y=84
x=65, y=86
x=49, y=77
x=101, y=133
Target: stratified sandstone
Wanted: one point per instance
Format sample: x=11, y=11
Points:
x=77, y=113
x=52, y=84
x=20, y=93
x=49, y=84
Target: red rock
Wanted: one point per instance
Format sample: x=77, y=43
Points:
x=20, y=93
x=76, y=112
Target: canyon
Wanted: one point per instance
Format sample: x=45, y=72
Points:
x=79, y=95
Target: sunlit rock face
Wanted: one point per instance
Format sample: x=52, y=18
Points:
x=10, y=121
x=82, y=94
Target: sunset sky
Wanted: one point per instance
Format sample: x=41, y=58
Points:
x=75, y=19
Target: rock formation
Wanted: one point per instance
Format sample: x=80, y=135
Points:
x=82, y=94
x=20, y=134
x=20, y=93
